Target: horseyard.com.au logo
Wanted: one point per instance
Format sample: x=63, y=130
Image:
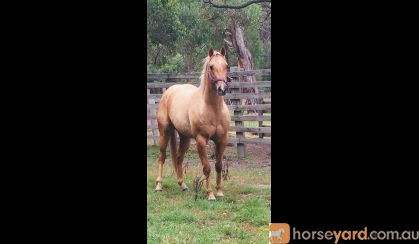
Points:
x=279, y=233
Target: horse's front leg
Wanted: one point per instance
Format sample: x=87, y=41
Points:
x=201, y=143
x=219, y=152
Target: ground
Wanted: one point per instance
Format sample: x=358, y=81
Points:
x=256, y=156
x=241, y=216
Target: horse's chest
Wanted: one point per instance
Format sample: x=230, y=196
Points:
x=210, y=129
x=208, y=122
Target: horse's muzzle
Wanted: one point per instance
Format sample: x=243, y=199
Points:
x=221, y=91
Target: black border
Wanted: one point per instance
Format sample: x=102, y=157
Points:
x=343, y=116
x=77, y=121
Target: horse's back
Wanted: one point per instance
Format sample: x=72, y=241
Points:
x=181, y=88
x=178, y=93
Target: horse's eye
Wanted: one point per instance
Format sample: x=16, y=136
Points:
x=211, y=67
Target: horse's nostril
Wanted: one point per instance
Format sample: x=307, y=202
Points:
x=221, y=91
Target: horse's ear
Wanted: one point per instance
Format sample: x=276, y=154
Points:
x=210, y=52
x=223, y=51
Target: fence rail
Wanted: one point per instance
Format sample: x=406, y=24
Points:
x=249, y=111
x=236, y=128
x=227, y=96
x=155, y=76
x=234, y=140
x=257, y=107
x=233, y=118
x=230, y=85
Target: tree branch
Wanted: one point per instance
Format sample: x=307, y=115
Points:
x=237, y=6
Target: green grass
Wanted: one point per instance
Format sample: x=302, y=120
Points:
x=241, y=216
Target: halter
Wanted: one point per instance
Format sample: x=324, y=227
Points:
x=214, y=79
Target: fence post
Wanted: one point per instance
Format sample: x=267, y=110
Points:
x=153, y=121
x=260, y=113
x=241, y=147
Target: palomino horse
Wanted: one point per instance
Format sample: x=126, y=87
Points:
x=198, y=113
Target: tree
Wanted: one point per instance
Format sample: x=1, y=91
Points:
x=235, y=32
x=194, y=32
x=244, y=5
x=179, y=33
x=237, y=38
x=161, y=38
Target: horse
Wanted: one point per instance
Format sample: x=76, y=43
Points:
x=277, y=234
x=199, y=113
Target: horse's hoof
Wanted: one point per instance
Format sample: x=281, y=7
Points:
x=211, y=197
x=220, y=194
x=158, y=190
x=183, y=186
x=158, y=187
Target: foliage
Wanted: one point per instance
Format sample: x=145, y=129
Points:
x=180, y=32
x=173, y=64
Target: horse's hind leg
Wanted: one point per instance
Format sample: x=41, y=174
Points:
x=183, y=147
x=164, y=139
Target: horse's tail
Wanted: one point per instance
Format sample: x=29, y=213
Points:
x=173, y=148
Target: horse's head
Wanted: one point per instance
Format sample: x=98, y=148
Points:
x=218, y=70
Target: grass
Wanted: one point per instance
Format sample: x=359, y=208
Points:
x=241, y=216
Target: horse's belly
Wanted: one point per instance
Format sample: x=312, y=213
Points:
x=179, y=107
x=182, y=125
x=180, y=120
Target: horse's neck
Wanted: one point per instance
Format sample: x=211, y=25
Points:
x=211, y=97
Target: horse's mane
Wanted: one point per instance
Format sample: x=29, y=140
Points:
x=204, y=70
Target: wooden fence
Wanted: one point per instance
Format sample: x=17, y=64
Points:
x=249, y=105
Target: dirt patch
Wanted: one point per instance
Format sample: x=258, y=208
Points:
x=262, y=186
x=257, y=156
x=245, y=196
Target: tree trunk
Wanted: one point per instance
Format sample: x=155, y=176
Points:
x=244, y=57
x=190, y=64
x=157, y=56
x=239, y=44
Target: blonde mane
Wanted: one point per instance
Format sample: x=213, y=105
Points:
x=204, y=71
